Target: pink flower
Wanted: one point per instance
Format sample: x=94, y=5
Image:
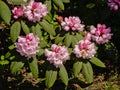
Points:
x=114, y=4
x=72, y=23
x=35, y=11
x=57, y=55
x=18, y=12
x=27, y=46
x=101, y=34
x=87, y=36
x=84, y=49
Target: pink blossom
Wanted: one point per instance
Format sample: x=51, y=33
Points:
x=87, y=36
x=101, y=34
x=57, y=55
x=35, y=11
x=27, y=46
x=84, y=49
x=18, y=12
x=72, y=23
x=114, y=4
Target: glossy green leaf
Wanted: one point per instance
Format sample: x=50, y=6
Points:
x=4, y=62
x=11, y=47
x=74, y=41
x=38, y=30
x=97, y=62
x=58, y=39
x=5, y=12
x=68, y=39
x=16, y=1
x=48, y=17
x=59, y=3
x=87, y=72
x=77, y=66
x=66, y=1
x=90, y=5
x=63, y=75
x=48, y=3
x=34, y=67
x=15, y=31
x=25, y=27
x=43, y=43
x=32, y=29
x=16, y=66
x=47, y=27
x=79, y=36
x=51, y=76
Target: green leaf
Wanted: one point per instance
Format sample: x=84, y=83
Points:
x=16, y=1
x=25, y=28
x=51, y=76
x=5, y=12
x=41, y=52
x=48, y=17
x=63, y=75
x=68, y=39
x=2, y=57
x=16, y=66
x=38, y=30
x=77, y=66
x=43, y=43
x=34, y=67
x=74, y=41
x=15, y=31
x=97, y=62
x=59, y=3
x=58, y=39
x=48, y=2
x=11, y=47
x=79, y=36
x=47, y=27
x=66, y=1
x=4, y=62
x=32, y=29
x=90, y=5
x=87, y=72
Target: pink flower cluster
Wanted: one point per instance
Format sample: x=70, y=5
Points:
x=27, y=46
x=84, y=49
x=34, y=11
x=72, y=23
x=18, y=12
x=101, y=34
x=57, y=55
x=114, y=4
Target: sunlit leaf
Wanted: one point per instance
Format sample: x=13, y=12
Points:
x=16, y=66
x=34, y=67
x=59, y=3
x=47, y=27
x=51, y=76
x=87, y=72
x=97, y=62
x=15, y=31
x=5, y=12
x=77, y=66
x=63, y=75
x=25, y=27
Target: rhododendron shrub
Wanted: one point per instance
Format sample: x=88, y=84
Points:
x=50, y=45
